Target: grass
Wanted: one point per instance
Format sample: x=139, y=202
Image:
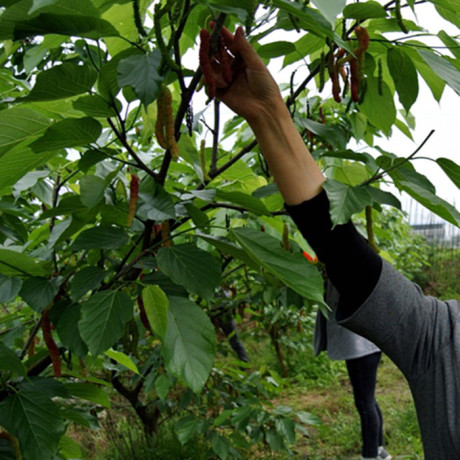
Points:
x=321, y=386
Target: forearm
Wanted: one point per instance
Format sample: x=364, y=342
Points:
x=296, y=174
x=352, y=266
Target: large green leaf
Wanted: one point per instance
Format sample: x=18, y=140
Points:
x=448, y=9
x=14, y=263
x=9, y=361
x=71, y=132
x=311, y=20
x=95, y=106
x=89, y=392
x=65, y=317
x=189, y=344
x=345, y=200
x=330, y=9
x=62, y=81
x=123, y=359
x=291, y=268
x=244, y=200
x=443, y=68
x=85, y=280
x=92, y=190
x=108, y=82
x=19, y=162
x=275, y=49
x=103, y=237
x=432, y=202
x=154, y=202
x=156, y=308
x=364, y=10
x=9, y=288
x=39, y=292
x=18, y=126
x=103, y=319
x=404, y=75
x=332, y=134
x=191, y=267
x=141, y=72
x=451, y=43
x=451, y=168
x=434, y=82
x=228, y=247
x=35, y=420
x=379, y=105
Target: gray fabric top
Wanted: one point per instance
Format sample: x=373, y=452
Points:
x=339, y=342
x=421, y=335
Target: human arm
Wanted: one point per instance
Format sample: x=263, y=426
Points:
x=351, y=264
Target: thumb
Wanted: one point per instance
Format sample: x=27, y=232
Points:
x=250, y=57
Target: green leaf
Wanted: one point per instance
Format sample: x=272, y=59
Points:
x=244, y=200
x=332, y=134
x=89, y=392
x=443, y=68
x=103, y=237
x=379, y=107
x=451, y=168
x=95, y=106
x=404, y=75
x=62, y=81
x=85, y=280
x=154, y=202
x=364, y=10
x=92, y=190
x=108, y=82
x=123, y=359
x=19, y=126
x=312, y=21
x=15, y=263
x=228, y=247
x=69, y=448
x=186, y=428
x=9, y=361
x=9, y=288
x=103, y=319
x=141, y=72
x=65, y=317
x=67, y=133
x=19, y=162
x=345, y=200
x=275, y=49
x=156, y=308
x=35, y=420
x=38, y=292
x=432, y=202
x=382, y=197
x=330, y=9
x=291, y=268
x=434, y=82
x=448, y=9
x=189, y=344
x=199, y=218
x=451, y=43
x=191, y=267
x=162, y=386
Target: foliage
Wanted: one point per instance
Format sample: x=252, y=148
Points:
x=124, y=247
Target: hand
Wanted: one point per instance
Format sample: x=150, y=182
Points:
x=252, y=90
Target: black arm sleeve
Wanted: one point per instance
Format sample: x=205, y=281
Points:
x=352, y=266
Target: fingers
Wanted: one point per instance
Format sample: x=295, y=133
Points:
x=246, y=51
